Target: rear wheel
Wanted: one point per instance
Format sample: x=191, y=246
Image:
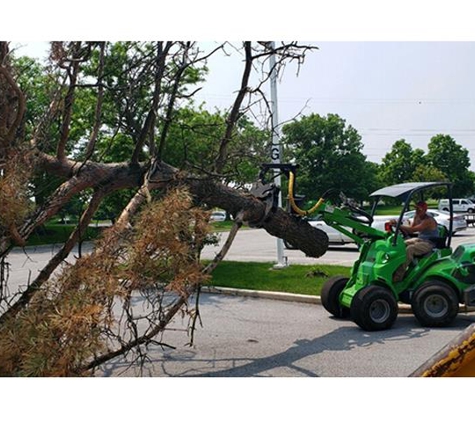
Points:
x=331, y=296
x=435, y=304
x=374, y=308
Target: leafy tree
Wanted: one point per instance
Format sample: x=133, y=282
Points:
x=427, y=173
x=399, y=164
x=192, y=142
x=329, y=155
x=453, y=160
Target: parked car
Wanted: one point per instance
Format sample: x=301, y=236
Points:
x=337, y=238
x=334, y=236
x=379, y=221
x=442, y=217
x=218, y=216
x=458, y=205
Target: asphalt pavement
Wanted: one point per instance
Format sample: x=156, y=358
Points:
x=248, y=337
x=245, y=336
x=256, y=245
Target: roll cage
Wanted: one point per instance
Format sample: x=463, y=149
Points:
x=406, y=192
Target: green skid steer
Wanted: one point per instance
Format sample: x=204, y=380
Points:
x=434, y=285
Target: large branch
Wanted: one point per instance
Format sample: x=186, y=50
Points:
x=234, y=114
x=277, y=222
x=313, y=242
x=80, y=176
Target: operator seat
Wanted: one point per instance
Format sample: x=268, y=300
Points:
x=440, y=241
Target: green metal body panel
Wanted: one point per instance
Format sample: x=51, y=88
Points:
x=379, y=259
x=382, y=253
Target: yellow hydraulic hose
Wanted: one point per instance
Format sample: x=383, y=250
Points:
x=292, y=200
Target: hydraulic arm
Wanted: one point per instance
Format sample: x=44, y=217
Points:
x=348, y=218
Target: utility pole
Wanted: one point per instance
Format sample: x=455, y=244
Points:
x=276, y=150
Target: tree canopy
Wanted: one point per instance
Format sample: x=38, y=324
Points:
x=452, y=159
x=328, y=152
x=445, y=160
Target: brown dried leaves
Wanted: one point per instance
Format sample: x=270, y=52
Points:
x=73, y=318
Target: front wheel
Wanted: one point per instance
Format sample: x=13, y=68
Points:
x=435, y=304
x=331, y=296
x=374, y=308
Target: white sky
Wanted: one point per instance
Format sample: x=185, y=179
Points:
x=386, y=90
x=392, y=71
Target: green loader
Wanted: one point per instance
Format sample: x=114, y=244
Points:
x=434, y=284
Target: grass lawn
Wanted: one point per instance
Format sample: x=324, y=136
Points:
x=301, y=279
x=224, y=226
x=396, y=209
x=58, y=233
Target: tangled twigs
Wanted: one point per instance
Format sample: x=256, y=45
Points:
x=155, y=262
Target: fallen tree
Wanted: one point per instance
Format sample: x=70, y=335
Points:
x=67, y=316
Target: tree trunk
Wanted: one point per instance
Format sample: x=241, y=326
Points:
x=313, y=242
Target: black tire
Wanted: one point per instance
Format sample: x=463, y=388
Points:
x=445, y=209
x=470, y=210
x=435, y=304
x=289, y=245
x=330, y=296
x=374, y=308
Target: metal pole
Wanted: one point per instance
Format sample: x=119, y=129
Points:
x=276, y=150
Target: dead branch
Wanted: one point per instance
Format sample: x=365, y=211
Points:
x=12, y=101
x=54, y=262
x=171, y=103
x=235, y=110
x=227, y=245
x=149, y=124
x=100, y=98
x=72, y=71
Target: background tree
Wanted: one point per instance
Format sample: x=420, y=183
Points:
x=326, y=148
x=399, y=164
x=192, y=144
x=427, y=173
x=453, y=160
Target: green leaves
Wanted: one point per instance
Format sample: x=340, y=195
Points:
x=445, y=160
x=328, y=152
x=451, y=159
x=400, y=163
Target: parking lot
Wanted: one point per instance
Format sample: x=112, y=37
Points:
x=257, y=245
x=248, y=337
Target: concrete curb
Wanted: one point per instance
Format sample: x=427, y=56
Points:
x=292, y=297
